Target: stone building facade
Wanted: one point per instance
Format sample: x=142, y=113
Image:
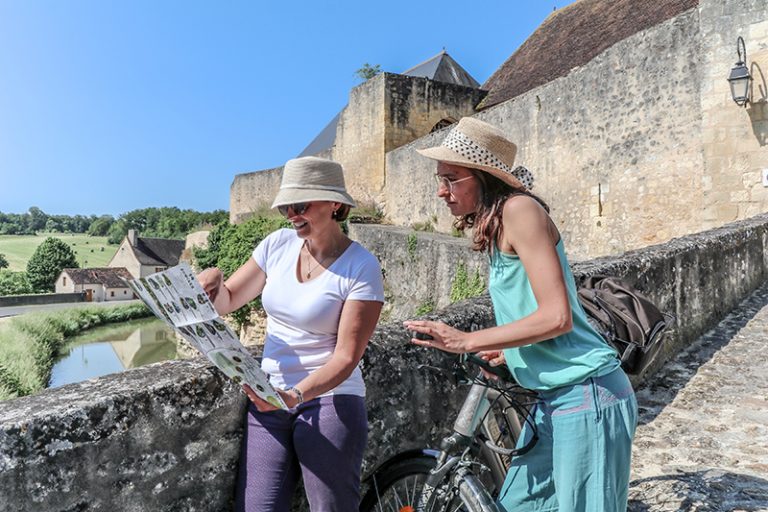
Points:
x=640, y=145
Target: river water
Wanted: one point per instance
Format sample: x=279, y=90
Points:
x=112, y=349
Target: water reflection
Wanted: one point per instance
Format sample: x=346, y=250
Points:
x=112, y=349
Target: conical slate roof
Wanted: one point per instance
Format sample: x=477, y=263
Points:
x=572, y=36
x=440, y=68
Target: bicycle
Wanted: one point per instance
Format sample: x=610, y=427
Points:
x=468, y=470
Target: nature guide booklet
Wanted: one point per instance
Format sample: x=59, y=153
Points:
x=175, y=296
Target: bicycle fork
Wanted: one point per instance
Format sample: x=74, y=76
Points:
x=469, y=419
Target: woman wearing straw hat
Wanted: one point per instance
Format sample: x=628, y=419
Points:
x=587, y=413
x=322, y=294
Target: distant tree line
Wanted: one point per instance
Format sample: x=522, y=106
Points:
x=53, y=255
x=152, y=222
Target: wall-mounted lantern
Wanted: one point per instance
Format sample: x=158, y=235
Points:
x=740, y=77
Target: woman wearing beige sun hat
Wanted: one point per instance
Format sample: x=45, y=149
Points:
x=322, y=293
x=587, y=413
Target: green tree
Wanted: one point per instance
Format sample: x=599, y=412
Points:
x=229, y=246
x=100, y=226
x=14, y=283
x=367, y=71
x=3, y=261
x=47, y=262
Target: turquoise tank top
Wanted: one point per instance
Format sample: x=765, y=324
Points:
x=564, y=360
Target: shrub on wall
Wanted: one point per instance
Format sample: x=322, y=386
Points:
x=464, y=287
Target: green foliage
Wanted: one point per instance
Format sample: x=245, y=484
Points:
x=14, y=283
x=230, y=246
x=29, y=344
x=3, y=261
x=100, y=227
x=367, y=71
x=426, y=226
x=163, y=222
x=47, y=262
x=463, y=287
x=410, y=246
x=424, y=308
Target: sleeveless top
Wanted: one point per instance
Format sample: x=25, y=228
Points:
x=561, y=361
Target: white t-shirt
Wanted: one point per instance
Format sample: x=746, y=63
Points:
x=303, y=318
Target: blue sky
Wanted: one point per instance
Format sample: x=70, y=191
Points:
x=106, y=107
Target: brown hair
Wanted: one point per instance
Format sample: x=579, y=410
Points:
x=487, y=217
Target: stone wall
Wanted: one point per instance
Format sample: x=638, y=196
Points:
x=735, y=140
x=166, y=437
x=640, y=145
x=420, y=269
x=251, y=192
x=41, y=298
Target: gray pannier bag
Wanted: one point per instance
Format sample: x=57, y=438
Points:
x=625, y=318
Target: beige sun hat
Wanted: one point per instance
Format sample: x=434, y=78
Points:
x=311, y=178
x=478, y=145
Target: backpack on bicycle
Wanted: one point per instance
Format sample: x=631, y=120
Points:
x=627, y=319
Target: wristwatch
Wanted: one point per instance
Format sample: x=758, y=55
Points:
x=299, y=395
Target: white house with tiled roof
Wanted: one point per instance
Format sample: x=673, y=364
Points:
x=144, y=256
x=99, y=284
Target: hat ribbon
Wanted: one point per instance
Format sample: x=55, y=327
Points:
x=458, y=142
x=313, y=187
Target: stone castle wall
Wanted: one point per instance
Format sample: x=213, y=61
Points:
x=734, y=140
x=383, y=113
x=640, y=145
x=252, y=192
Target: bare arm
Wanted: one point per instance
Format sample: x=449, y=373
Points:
x=526, y=230
x=243, y=286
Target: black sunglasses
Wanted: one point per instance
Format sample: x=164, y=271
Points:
x=298, y=208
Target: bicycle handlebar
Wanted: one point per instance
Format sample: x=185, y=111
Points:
x=501, y=372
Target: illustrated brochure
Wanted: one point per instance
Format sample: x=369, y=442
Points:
x=175, y=296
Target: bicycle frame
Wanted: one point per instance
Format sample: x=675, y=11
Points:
x=454, y=456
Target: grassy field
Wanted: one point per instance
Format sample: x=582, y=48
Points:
x=91, y=251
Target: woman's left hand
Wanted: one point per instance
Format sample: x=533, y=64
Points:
x=290, y=399
x=444, y=337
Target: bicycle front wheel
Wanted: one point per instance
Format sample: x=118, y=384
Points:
x=398, y=487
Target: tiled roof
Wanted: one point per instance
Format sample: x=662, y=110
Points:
x=158, y=251
x=572, y=36
x=107, y=276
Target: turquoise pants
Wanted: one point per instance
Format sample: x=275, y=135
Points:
x=582, y=459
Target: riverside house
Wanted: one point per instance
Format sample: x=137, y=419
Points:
x=99, y=284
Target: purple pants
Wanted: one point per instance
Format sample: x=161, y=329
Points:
x=322, y=440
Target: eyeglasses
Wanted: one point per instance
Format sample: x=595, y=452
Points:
x=298, y=208
x=443, y=181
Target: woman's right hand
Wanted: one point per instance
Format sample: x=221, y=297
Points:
x=211, y=279
x=495, y=358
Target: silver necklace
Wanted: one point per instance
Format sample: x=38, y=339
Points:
x=312, y=269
